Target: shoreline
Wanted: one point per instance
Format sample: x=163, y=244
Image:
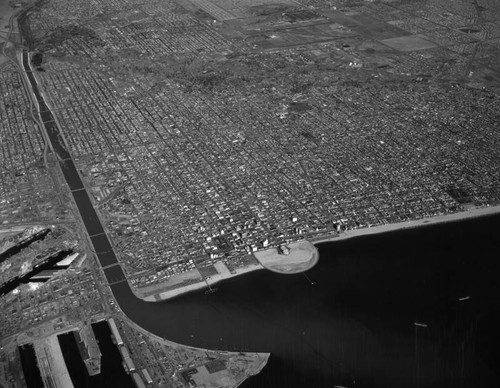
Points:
x=412, y=224
x=173, y=344
x=207, y=283
x=225, y=274
x=297, y=257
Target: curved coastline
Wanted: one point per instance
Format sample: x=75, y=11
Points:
x=289, y=259
x=454, y=217
x=302, y=256
x=379, y=229
x=412, y=224
x=97, y=234
x=241, y=313
x=207, y=283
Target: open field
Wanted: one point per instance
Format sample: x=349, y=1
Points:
x=409, y=43
x=6, y=12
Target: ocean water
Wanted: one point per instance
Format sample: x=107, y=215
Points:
x=355, y=326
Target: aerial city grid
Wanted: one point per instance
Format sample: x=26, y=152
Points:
x=157, y=155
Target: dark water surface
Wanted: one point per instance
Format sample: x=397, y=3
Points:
x=112, y=371
x=14, y=250
x=31, y=372
x=49, y=263
x=89, y=215
x=355, y=325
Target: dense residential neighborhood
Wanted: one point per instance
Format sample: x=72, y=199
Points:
x=210, y=137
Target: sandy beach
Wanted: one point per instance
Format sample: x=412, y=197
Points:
x=224, y=273
x=471, y=213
